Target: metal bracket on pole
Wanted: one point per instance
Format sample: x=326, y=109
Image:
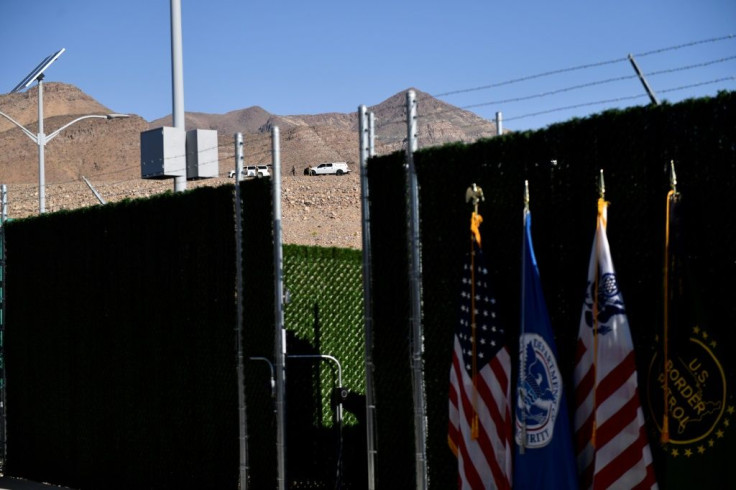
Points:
x=650, y=92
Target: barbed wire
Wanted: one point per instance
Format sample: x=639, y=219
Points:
x=686, y=45
x=572, y=88
x=583, y=66
x=619, y=99
x=577, y=68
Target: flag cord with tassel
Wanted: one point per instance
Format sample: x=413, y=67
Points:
x=602, y=204
x=475, y=194
x=671, y=197
x=665, y=438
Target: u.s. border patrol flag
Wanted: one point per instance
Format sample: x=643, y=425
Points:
x=691, y=379
x=544, y=453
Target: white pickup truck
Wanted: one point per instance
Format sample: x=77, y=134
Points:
x=253, y=171
x=334, y=168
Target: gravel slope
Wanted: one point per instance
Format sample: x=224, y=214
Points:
x=322, y=210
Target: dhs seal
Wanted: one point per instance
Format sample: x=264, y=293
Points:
x=539, y=393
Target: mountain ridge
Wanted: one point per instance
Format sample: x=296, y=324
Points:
x=96, y=149
x=323, y=211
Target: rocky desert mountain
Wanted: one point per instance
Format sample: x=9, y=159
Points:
x=317, y=210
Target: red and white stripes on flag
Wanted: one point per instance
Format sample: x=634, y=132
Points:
x=611, y=440
x=479, y=409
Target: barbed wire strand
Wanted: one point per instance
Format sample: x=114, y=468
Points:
x=584, y=66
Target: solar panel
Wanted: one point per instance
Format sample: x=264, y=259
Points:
x=37, y=71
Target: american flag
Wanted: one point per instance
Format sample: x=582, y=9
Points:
x=611, y=440
x=480, y=416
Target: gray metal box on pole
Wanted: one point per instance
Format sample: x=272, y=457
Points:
x=202, y=154
x=163, y=153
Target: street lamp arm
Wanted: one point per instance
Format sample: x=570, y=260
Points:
x=26, y=131
x=107, y=116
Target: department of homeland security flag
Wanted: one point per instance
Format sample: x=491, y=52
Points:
x=479, y=430
x=611, y=439
x=544, y=452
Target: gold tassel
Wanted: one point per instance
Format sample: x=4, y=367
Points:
x=665, y=437
x=475, y=221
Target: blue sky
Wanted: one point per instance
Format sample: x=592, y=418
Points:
x=296, y=57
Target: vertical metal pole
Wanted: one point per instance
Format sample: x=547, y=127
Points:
x=416, y=300
x=41, y=139
x=242, y=420
x=499, y=124
x=280, y=335
x=177, y=80
x=370, y=406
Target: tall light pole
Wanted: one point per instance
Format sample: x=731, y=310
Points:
x=177, y=81
x=41, y=138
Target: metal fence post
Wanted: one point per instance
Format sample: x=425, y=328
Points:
x=415, y=280
x=242, y=420
x=370, y=407
x=280, y=331
x=3, y=399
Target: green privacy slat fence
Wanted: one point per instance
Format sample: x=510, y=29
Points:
x=122, y=347
x=119, y=342
x=562, y=163
x=391, y=313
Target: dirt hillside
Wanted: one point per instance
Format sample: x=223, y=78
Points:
x=322, y=210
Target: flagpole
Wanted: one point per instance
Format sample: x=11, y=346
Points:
x=601, y=208
x=522, y=357
x=671, y=195
x=474, y=424
x=475, y=194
